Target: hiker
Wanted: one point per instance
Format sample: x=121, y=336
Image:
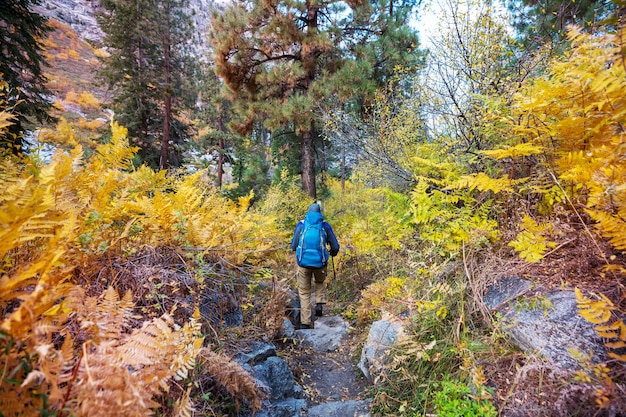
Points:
x=310, y=239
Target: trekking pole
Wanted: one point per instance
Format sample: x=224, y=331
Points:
x=332, y=261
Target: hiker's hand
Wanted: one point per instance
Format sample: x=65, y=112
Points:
x=333, y=253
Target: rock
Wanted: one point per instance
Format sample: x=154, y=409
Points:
x=293, y=307
x=275, y=374
x=288, y=331
x=285, y=397
x=327, y=334
x=550, y=331
x=260, y=352
x=382, y=335
x=80, y=15
x=288, y=408
x=505, y=290
x=342, y=409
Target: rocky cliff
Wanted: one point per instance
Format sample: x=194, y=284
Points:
x=80, y=15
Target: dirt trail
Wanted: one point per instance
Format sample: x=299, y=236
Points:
x=323, y=361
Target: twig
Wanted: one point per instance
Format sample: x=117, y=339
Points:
x=559, y=247
x=71, y=382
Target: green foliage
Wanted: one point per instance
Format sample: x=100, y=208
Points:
x=456, y=399
x=439, y=344
x=22, y=64
x=370, y=221
x=535, y=302
x=283, y=62
x=547, y=21
x=149, y=91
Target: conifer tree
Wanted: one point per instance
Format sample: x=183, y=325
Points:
x=148, y=42
x=22, y=63
x=283, y=61
x=539, y=22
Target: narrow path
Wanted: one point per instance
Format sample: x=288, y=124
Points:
x=323, y=361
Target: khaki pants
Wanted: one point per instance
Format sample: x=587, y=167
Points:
x=305, y=278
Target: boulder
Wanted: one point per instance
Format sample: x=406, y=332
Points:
x=550, y=329
x=382, y=335
x=327, y=334
x=273, y=375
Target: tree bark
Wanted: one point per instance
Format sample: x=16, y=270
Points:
x=309, y=63
x=220, y=156
x=165, y=140
x=308, y=164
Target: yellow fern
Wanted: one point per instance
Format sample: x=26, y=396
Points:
x=64, y=347
x=483, y=182
x=600, y=314
x=576, y=113
x=531, y=242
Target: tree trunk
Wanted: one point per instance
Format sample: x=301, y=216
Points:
x=308, y=164
x=309, y=63
x=220, y=156
x=165, y=141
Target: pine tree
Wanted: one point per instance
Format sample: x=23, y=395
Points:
x=148, y=41
x=21, y=66
x=540, y=22
x=284, y=61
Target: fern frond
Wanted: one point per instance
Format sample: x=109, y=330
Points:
x=531, y=242
x=610, y=226
x=599, y=312
x=596, y=312
x=230, y=375
x=184, y=406
x=112, y=313
x=483, y=182
x=514, y=152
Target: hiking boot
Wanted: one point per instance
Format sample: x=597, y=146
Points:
x=302, y=326
x=318, y=310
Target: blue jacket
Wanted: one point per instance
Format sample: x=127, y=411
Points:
x=331, y=239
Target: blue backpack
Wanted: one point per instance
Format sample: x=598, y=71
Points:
x=311, y=251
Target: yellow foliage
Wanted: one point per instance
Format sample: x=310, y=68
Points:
x=600, y=313
x=515, y=151
x=60, y=345
x=576, y=113
x=85, y=100
x=383, y=296
x=395, y=295
x=483, y=182
x=83, y=123
x=367, y=221
x=448, y=218
x=531, y=241
x=101, y=53
x=5, y=120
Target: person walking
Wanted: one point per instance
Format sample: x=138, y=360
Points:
x=310, y=240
